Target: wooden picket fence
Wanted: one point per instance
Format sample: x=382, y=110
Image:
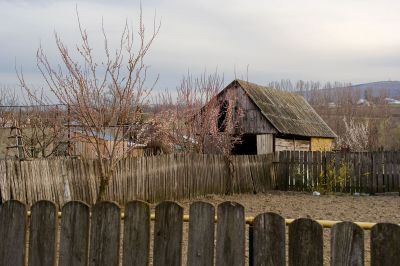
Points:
x=153, y=178
x=361, y=172
x=81, y=236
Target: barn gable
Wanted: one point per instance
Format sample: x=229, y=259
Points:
x=288, y=112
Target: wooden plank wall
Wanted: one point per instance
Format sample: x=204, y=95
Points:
x=362, y=172
x=110, y=239
x=153, y=178
x=265, y=143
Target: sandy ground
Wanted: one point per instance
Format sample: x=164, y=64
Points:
x=327, y=207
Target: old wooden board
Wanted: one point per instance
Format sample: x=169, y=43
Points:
x=42, y=235
x=168, y=234
x=13, y=222
x=269, y=240
x=201, y=234
x=347, y=245
x=305, y=243
x=74, y=236
x=136, y=244
x=230, y=234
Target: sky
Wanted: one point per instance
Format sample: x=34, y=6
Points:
x=355, y=41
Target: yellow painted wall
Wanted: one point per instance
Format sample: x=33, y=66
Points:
x=321, y=144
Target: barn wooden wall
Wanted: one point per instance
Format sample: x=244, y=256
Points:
x=291, y=145
x=321, y=144
x=265, y=144
x=252, y=121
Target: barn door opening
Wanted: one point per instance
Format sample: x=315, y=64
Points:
x=247, y=146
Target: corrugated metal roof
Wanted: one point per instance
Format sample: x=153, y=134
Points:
x=288, y=112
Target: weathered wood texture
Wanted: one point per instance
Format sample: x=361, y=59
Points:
x=168, y=234
x=252, y=121
x=265, y=143
x=13, y=233
x=347, y=245
x=105, y=234
x=266, y=238
x=136, y=244
x=291, y=145
x=230, y=234
x=360, y=172
x=269, y=240
x=385, y=244
x=74, y=235
x=153, y=179
x=42, y=234
x=201, y=234
x=305, y=243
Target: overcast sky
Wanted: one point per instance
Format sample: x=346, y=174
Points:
x=354, y=41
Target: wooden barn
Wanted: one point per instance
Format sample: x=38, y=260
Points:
x=274, y=120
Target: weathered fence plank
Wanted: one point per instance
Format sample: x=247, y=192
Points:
x=183, y=176
x=315, y=172
x=136, y=245
x=347, y=245
x=305, y=243
x=230, y=234
x=385, y=244
x=201, y=234
x=74, y=236
x=42, y=234
x=269, y=240
x=168, y=234
x=13, y=222
x=104, y=234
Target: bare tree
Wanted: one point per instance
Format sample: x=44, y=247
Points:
x=202, y=120
x=356, y=136
x=187, y=123
x=8, y=99
x=104, y=96
x=43, y=132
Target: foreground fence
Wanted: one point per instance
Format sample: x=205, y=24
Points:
x=363, y=172
x=80, y=237
x=153, y=178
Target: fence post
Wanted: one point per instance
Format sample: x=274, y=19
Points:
x=230, y=234
x=373, y=173
x=74, y=237
x=305, y=243
x=201, y=234
x=268, y=240
x=42, y=234
x=347, y=245
x=13, y=222
x=104, y=234
x=168, y=234
x=385, y=243
x=136, y=243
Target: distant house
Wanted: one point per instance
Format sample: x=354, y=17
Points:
x=363, y=102
x=275, y=120
x=82, y=146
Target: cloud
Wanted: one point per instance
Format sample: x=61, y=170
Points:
x=313, y=39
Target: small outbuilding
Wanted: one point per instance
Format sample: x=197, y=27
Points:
x=275, y=120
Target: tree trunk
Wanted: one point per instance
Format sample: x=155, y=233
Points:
x=106, y=175
x=229, y=177
x=102, y=189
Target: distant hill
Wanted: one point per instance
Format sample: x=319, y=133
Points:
x=379, y=89
x=391, y=88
